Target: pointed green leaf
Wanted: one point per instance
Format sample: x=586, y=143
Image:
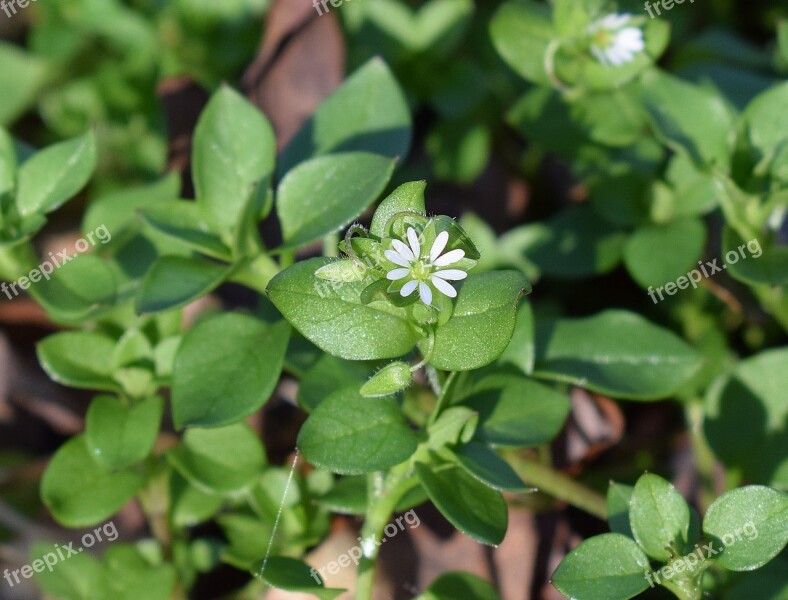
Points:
x=324, y=194
x=233, y=157
x=749, y=525
x=471, y=506
x=119, y=435
x=367, y=113
x=175, y=281
x=606, y=567
x=334, y=319
x=485, y=303
x=226, y=368
x=659, y=518
x=350, y=434
x=55, y=174
x=616, y=353
x=79, y=491
x=222, y=460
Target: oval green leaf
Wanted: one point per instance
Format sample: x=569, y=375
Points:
x=226, y=368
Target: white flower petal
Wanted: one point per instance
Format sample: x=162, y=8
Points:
x=413, y=239
x=443, y=287
x=451, y=274
x=403, y=250
x=438, y=245
x=450, y=258
x=397, y=274
x=397, y=258
x=408, y=288
x=425, y=293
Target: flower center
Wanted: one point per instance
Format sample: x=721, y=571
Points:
x=421, y=271
x=603, y=38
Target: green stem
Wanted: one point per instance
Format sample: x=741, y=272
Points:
x=558, y=485
x=704, y=458
x=381, y=503
x=257, y=273
x=685, y=589
x=444, y=393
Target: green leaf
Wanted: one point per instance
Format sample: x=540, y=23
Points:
x=488, y=467
x=690, y=118
x=748, y=524
x=753, y=262
x=659, y=518
x=745, y=414
x=21, y=78
x=79, y=359
x=661, y=255
x=78, y=290
x=77, y=578
x=455, y=425
x=350, y=434
x=521, y=349
x=605, y=567
x=521, y=32
x=327, y=375
x=368, y=113
x=80, y=492
x=482, y=323
x=618, y=499
x=119, y=435
x=409, y=197
x=616, y=353
x=767, y=124
x=391, y=379
x=471, y=506
x=129, y=576
x=55, y=174
x=8, y=166
x=334, y=319
x=459, y=151
x=117, y=210
x=175, y=281
x=226, y=368
x=451, y=586
x=576, y=243
x=233, y=157
x=324, y=194
x=294, y=576
x=248, y=539
x=189, y=505
x=516, y=412
x=223, y=460
x=183, y=221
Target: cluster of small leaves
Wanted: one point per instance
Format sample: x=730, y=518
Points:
x=657, y=539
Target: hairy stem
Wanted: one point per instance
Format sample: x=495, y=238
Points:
x=383, y=498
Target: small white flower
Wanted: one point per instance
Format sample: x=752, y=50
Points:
x=613, y=42
x=421, y=267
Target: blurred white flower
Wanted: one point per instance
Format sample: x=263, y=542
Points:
x=613, y=41
x=420, y=268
